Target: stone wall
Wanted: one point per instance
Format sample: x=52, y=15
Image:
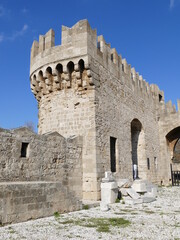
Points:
x=22, y=201
x=117, y=104
x=44, y=177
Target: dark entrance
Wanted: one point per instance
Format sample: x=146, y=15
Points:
x=138, y=150
x=24, y=147
x=175, y=176
x=113, y=153
x=173, y=141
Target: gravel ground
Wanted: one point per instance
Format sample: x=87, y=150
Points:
x=156, y=220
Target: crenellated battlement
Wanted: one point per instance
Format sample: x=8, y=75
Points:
x=45, y=42
x=169, y=109
x=71, y=64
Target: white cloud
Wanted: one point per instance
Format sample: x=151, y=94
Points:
x=18, y=33
x=15, y=35
x=171, y=4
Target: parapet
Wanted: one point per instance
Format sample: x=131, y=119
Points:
x=171, y=108
x=78, y=33
x=77, y=36
x=45, y=42
x=80, y=54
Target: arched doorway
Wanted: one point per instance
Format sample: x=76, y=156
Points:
x=173, y=142
x=138, y=150
x=176, y=152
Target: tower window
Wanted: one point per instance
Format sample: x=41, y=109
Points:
x=148, y=163
x=122, y=67
x=24, y=148
x=160, y=97
x=98, y=45
x=113, y=153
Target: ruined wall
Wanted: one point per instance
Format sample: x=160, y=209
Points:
x=44, y=178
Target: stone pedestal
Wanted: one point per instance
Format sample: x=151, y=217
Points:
x=139, y=186
x=109, y=190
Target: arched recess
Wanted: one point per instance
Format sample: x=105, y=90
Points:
x=49, y=74
x=40, y=76
x=82, y=72
x=70, y=68
x=173, y=142
x=81, y=65
x=138, y=150
x=41, y=80
x=49, y=70
x=34, y=80
x=59, y=71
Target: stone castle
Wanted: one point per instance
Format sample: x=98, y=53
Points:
x=96, y=114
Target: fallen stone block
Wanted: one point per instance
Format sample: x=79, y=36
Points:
x=152, y=194
x=124, y=183
x=151, y=187
x=139, y=186
x=124, y=191
x=133, y=194
x=148, y=199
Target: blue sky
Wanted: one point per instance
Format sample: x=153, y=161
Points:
x=146, y=33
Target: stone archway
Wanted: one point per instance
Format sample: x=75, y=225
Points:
x=138, y=150
x=173, y=142
x=176, y=152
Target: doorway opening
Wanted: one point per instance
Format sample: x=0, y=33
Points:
x=113, y=153
x=138, y=150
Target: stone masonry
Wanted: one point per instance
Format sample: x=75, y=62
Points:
x=84, y=88
x=39, y=175
x=96, y=114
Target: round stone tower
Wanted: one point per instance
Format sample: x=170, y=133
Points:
x=62, y=83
